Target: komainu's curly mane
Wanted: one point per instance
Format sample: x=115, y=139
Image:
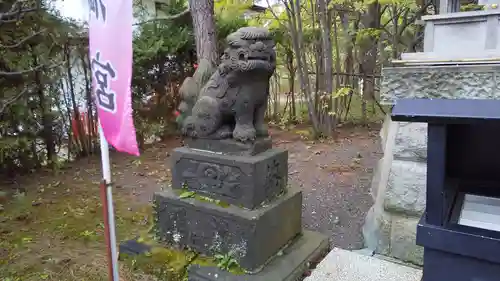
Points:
x=232, y=102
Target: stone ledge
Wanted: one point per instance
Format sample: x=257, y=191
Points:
x=343, y=265
x=392, y=235
x=230, y=146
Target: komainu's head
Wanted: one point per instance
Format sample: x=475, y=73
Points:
x=250, y=49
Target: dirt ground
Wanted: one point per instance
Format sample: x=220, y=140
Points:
x=335, y=178
x=62, y=211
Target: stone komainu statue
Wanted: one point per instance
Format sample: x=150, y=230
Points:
x=233, y=102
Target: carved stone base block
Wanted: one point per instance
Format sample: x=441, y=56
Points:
x=246, y=181
x=440, y=82
x=230, y=146
x=251, y=236
x=307, y=248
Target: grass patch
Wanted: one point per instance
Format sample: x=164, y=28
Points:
x=55, y=232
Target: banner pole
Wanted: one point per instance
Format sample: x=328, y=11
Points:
x=108, y=210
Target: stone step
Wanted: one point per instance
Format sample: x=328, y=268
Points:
x=344, y=265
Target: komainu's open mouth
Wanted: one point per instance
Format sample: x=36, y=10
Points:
x=264, y=58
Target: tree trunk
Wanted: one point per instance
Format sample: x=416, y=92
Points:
x=326, y=44
x=76, y=111
x=349, y=62
x=291, y=83
x=295, y=26
x=202, y=14
x=371, y=20
x=338, y=69
x=395, y=33
x=45, y=108
x=276, y=96
x=88, y=92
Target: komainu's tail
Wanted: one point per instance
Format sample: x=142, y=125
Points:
x=191, y=87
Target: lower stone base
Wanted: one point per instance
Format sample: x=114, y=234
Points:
x=392, y=235
x=290, y=266
x=251, y=237
x=398, y=190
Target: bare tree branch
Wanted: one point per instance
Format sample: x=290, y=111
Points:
x=16, y=12
x=274, y=15
x=417, y=15
x=12, y=100
x=20, y=72
x=167, y=18
x=24, y=40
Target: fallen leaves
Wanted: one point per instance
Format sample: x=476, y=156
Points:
x=338, y=168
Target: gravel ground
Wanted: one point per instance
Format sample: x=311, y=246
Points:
x=335, y=178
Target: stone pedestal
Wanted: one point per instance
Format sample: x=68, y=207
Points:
x=253, y=236
x=238, y=203
x=461, y=36
x=247, y=181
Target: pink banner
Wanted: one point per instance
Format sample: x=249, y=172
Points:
x=110, y=36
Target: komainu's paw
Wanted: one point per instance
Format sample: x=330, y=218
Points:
x=189, y=127
x=244, y=133
x=224, y=132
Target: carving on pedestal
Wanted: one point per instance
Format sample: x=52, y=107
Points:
x=207, y=233
x=243, y=181
x=275, y=177
x=173, y=227
x=212, y=177
x=199, y=231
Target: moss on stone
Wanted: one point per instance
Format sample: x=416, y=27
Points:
x=163, y=263
x=471, y=7
x=170, y=264
x=184, y=193
x=211, y=200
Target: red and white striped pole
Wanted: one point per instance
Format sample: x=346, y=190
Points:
x=108, y=209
